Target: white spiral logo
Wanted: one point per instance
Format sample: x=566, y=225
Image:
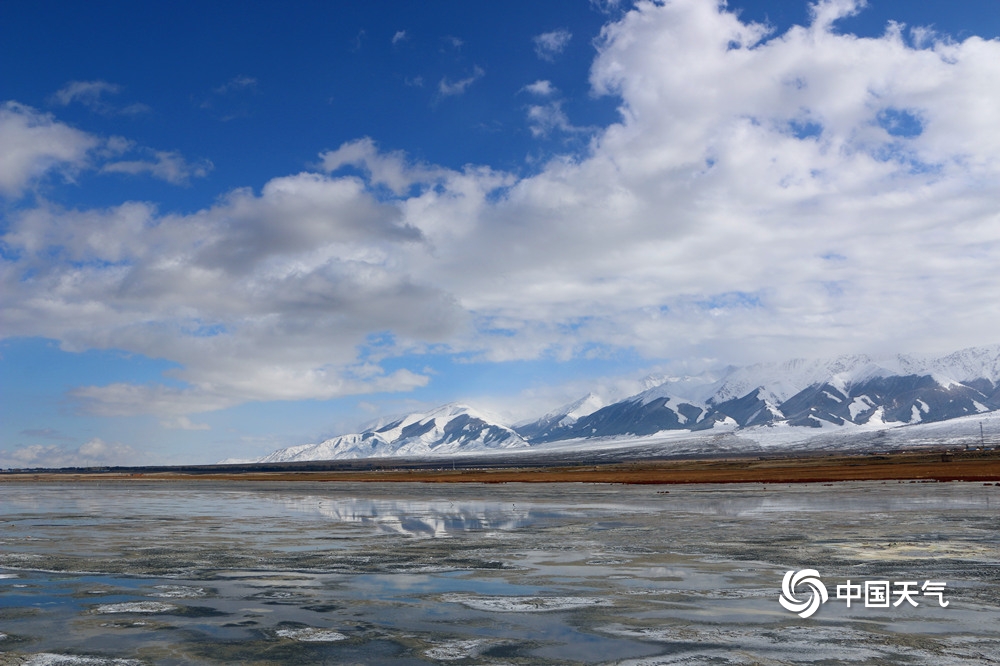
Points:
x=817, y=595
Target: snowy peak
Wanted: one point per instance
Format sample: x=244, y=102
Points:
x=452, y=428
x=559, y=420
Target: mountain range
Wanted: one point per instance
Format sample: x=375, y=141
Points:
x=779, y=402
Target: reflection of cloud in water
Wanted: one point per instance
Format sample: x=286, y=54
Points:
x=842, y=498
x=425, y=518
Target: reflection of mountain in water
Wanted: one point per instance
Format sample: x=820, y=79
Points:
x=424, y=518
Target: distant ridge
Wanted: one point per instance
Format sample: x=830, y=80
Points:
x=452, y=428
x=846, y=394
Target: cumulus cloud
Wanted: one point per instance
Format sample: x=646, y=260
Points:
x=550, y=44
x=541, y=88
x=93, y=453
x=757, y=199
x=825, y=12
x=399, y=36
x=34, y=143
x=262, y=297
x=544, y=118
x=762, y=195
x=392, y=170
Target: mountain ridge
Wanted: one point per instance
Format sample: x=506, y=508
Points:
x=808, y=394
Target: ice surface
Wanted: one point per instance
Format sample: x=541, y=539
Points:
x=47, y=659
x=313, y=573
x=458, y=649
x=525, y=604
x=136, y=607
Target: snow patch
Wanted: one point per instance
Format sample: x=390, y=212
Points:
x=136, y=607
x=457, y=649
x=878, y=418
x=179, y=591
x=861, y=404
x=49, y=659
x=311, y=635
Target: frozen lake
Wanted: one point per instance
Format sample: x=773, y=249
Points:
x=304, y=573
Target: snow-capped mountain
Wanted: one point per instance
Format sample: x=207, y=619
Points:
x=449, y=429
x=847, y=394
x=847, y=389
x=559, y=419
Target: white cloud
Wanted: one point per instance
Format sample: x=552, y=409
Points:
x=33, y=143
x=550, y=44
x=541, y=88
x=763, y=195
x=825, y=12
x=261, y=297
x=87, y=93
x=391, y=170
x=165, y=165
x=93, y=453
x=544, y=118
x=400, y=36
x=708, y=220
x=91, y=94
x=447, y=87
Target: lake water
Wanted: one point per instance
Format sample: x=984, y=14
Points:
x=323, y=573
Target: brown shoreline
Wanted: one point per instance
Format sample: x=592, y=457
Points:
x=983, y=466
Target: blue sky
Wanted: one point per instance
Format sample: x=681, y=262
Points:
x=226, y=229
